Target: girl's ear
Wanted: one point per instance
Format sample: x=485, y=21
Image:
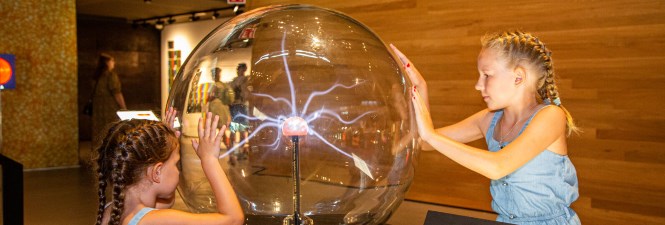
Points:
x=154, y=172
x=520, y=75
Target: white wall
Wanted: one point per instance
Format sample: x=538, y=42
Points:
x=185, y=36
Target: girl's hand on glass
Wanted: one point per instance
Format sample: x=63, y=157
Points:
x=169, y=119
x=423, y=117
x=209, y=138
x=414, y=75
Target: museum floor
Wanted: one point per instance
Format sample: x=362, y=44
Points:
x=67, y=196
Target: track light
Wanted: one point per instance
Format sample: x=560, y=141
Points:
x=161, y=21
x=159, y=25
x=237, y=10
x=193, y=17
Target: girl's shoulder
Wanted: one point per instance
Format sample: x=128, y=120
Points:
x=547, y=119
x=174, y=216
x=549, y=113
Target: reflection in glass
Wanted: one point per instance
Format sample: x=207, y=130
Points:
x=274, y=63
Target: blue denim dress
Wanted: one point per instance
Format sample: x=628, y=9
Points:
x=540, y=192
x=139, y=215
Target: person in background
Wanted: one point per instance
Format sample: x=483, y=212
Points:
x=238, y=113
x=107, y=97
x=221, y=97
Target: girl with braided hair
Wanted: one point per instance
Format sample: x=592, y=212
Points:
x=137, y=160
x=525, y=126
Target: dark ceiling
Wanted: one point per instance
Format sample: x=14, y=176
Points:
x=142, y=9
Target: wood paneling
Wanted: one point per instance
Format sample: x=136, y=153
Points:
x=136, y=53
x=611, y=70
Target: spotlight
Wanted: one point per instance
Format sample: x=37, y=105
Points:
x=170, y=20
x=159, y=25
x=215, y=15
x=237, y=10
x=193, y=17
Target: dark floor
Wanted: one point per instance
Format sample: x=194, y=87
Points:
x=67, y=196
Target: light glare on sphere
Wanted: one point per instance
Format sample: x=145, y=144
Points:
x=340, y=90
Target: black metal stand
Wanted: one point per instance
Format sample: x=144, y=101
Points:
x=12, y=191
x=297, y=218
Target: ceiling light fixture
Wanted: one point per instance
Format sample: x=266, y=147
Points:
x=162, y=21
x=159, y=25
x=193, y=17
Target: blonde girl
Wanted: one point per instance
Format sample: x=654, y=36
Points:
x=525, y=126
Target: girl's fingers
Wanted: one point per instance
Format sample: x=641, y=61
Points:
x=212, y=128
x=172, y=116
x=223, y=129
x=400, y=55
x=416, y=100
x=168, y=117
x=215, y=121
x=218, y=139
x=195, y=144
x=410, y=69
x=408, y=65
x=200, y=128
x=207, y=125
x=418, y=103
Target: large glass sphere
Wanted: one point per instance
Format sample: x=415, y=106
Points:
x=337, y=87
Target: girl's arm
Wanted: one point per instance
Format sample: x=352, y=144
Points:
x=120, y=100
x=545, y=128
x=465, y=131
x=114, y=87
x=207, y=148
x=469, y=129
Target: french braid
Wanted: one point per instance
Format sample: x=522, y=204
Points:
x=128, y=148
x=522, y=48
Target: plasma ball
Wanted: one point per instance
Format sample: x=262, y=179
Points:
x=294, y=126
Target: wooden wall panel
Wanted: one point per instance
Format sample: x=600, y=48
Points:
x=611, y=70
x=137, y=57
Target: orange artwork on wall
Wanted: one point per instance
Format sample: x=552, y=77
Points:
x=5, y=71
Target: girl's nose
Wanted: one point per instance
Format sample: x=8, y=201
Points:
x=479, y=85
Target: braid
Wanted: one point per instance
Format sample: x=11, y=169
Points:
x=101, y=191
x=118, y=181
x=523, y=48
x=128, y=148
x=101, y=157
